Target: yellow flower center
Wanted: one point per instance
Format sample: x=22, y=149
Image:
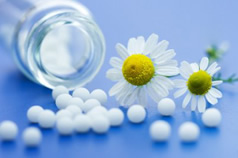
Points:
x=199, y=82
x=138, y=69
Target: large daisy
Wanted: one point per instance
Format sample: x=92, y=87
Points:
x=143, y=68
x=198, y=84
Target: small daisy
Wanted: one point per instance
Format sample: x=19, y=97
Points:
x=198, y=83
x=143, y=67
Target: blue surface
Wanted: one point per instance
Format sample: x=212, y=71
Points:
x=189, y=26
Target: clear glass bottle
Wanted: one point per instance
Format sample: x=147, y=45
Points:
x=54, y=42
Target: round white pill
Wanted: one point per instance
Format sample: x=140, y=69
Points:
x=100, y=95
x=211, y=117
x=115, y=116
x=65, y=126
x=33, y=113
x=136, y=114
x=160, y=130
x=47, y=119
x=32, y=136
x=82, y=123
x=63, y=113
x=58, y=91
x=97, y=110
x=166, y=107
x=189, y=132
x=62, y=101
x=8, y=130
x=74, y=109
x=82, y=93
x=76, y=101
x=100, y=124
x=90, y=104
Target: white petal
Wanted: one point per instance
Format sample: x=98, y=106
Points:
x=215, y=83
x=124, y=93
x=140, y=45
x=130, y=99
x=193, y=103
x=122, y=51
x=195, y=67
x=116, y=62
x=201, y=104
x=215, y=71
x=151, y=43
x=142, y=98
x=152, y=93
x=179, y=83
x=204, y=63
x=167, y=55
x=114, y=74
x=183, y=73
x=212, y=100
x=159, y=49
x=186, y=100
x=132, y=46
x=167, y=63
x=180, y=92
x=212, y=67
x=160, y=89
x=185, y=69
x=117, y=87
x=167, y=70
x=215, y=93
x=166, y=81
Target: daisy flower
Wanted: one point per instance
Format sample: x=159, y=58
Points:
x=198, y=84
x=143, y=68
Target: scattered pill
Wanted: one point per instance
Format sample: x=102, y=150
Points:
x=76, y=101
x=82, y=93
x=65, y=126
x=74, y=109
x=58, y=91
x=47, y=119
x=100, y=95
x=63, y=113
x=33, y=113
x=32, y=136
x=62, y=101
x=211, y=117
x=166, y=107
x=8, y=130
x=189, y=132
x=100, y=124
x=160, y=130
x=90, y=104
x=136, y=114
x=115, y=116
x=82, y=123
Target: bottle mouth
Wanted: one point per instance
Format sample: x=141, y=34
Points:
x=64, y=47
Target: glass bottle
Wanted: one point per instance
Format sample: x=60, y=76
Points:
x=54, y=42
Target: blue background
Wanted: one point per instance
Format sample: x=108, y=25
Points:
x=190, y=26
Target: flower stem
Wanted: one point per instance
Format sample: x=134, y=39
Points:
x=231, y=79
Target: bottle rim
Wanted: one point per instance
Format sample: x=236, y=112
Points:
x=31, y=63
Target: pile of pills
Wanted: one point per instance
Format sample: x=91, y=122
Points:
x=78, y=112
x=84, y=111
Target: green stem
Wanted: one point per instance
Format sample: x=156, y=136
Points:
x=231, y=79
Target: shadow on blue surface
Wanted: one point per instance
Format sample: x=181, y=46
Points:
x=8, y=146
x=31, y=151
